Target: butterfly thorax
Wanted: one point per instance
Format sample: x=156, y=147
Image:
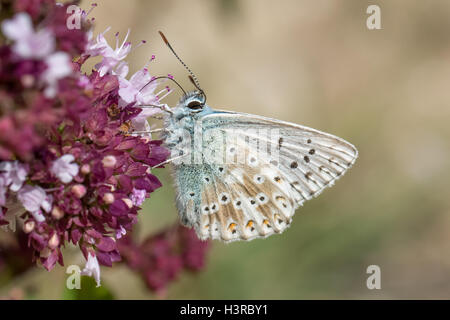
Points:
x=183, y=128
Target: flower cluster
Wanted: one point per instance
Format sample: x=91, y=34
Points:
x=70, y=171
x=160, y=258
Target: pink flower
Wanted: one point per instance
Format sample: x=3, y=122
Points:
x=140, y=91
x=64, y=169
x=111, y=57
x=3, y=189
x=58, y=67
x=33, y=199
x=120, y=233
x=92, y=268
x=138, y=196
x=29, y=44
x=14, y=174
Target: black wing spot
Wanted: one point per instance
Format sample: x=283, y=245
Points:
x=306, y=158
x=312, y=151
x=280, y=142
x=294, y=164
x=308, y=141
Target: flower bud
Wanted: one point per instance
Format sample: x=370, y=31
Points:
x=45, y=253
x=109, y=161
x=108, y=198
x=128, y=202
x=79, y=190
x=29, y=226
x=53, y=242
x=27, y=80
x=85, y=169
x=57, y=213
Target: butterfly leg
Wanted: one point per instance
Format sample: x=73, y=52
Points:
x=163, y=107
x=150, y=131
x=169, y=161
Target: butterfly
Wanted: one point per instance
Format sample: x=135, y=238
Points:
x=241, y=176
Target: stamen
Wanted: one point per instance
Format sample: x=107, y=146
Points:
x=117, y=39
x=140, y=44
x=167, y=93
x=92, y=8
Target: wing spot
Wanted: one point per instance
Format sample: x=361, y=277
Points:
x=308, y=141
x=237, y=204
x=294, y=164
x=277, y=179
x=278, y=218
x=205, y=209
x=308, y=175
x=224, y=198
x=306, y=158
x=280, y=142
x=262, y=198
x=258, y=179
x=214, y=207
x=266, y=223
x=312, y=151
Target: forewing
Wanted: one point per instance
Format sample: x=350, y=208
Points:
x=308, y=159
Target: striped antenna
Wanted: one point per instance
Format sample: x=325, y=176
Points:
x=197, y=84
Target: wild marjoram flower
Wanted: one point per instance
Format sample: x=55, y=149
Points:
x=65, y=153
x=38, y=45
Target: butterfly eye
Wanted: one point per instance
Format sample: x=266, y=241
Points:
x=195, y=105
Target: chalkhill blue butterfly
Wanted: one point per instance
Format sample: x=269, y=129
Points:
x=240, y=176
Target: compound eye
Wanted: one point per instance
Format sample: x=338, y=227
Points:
x=195, y=105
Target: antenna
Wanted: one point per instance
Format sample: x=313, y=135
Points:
x=194, y=78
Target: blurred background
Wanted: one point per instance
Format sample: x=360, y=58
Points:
x=314, y=63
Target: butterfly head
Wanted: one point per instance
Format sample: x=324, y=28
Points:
x=191, y=104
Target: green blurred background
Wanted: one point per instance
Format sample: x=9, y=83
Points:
x=314, y=63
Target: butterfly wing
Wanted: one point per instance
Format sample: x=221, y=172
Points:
x=242, y=201
x=298, y=163
x=309, y=159
x=248, y=194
